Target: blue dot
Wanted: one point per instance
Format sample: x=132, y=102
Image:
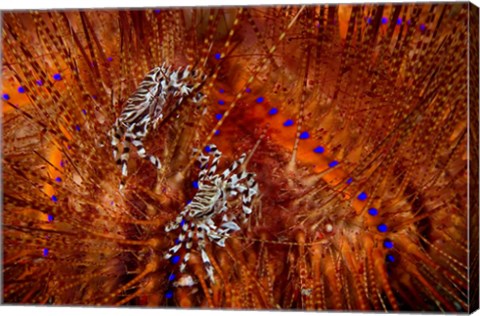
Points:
x=390, y=258
x=21, y=89
x=362, y=196
x=319, y=150
x=6, y=96
x=248, y=90
x=157, y=11
x=260, y=99
x=218, y=56
x=384, y=20
x=171, y=277
x=58, y=179
x=57, y=77
x=169, y=294
x=382, y=228
x=409, y=22
x=218, y=116
x=221, y=91
x=45, y=252
x=77, y=128
x=304, y=135
x=195, y=184
x=422, y=27
x=273, y=111
x=369, y=20
x=288, y=123
x=84, y=112
x=177, y=241
x=62, y=163
x=69, y=147
x=207, y=149
x=54, y=198
x=373, y=211
x=182, y=223
x=221, y=102
x=350, y=180
x=333, y=163
x=110, y=58
x=94, y=97
x=399, y=21
x=189, y=201
x=175, y=259
x=388, y=244
x=50, y=217
x=217, y=132
x=39, y=83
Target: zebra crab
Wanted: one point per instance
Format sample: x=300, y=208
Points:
x=215, y=191
x=161, y=90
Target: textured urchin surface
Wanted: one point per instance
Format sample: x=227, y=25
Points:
x=353, y=119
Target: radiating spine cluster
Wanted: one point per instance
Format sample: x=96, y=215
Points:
x=354, y=118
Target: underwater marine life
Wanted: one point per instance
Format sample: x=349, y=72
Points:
x=343, y=132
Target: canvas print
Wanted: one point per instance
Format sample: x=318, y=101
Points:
x=300, y=157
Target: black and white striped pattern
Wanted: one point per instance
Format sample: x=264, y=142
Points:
x=210, y=203
x=144, y=109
